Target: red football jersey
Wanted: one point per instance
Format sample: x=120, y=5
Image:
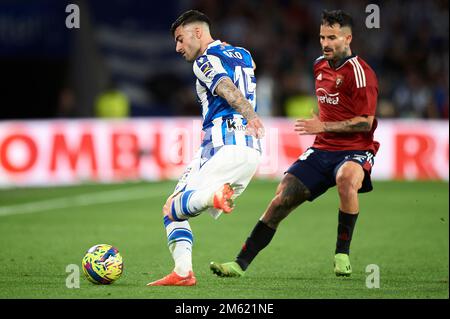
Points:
x=348, y=91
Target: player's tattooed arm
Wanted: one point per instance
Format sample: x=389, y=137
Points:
x=356, y=124
x=227, y=90
x=315, y=126
x=235, y=98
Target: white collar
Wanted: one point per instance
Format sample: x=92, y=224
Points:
x=212, y=44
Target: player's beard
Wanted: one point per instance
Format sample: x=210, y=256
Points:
x=188, y=57
x=192, y=57
x=194, y=49
x=338, y=55
x=328, y=57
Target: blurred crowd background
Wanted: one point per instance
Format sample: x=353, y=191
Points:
x=121, y=62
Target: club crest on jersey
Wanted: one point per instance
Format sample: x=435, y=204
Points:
x=339, y=81
x=319, y=77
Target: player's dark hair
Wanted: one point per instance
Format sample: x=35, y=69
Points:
x=337, y=16
x=189, y=17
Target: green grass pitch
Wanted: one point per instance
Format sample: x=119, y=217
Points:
x=403, y=229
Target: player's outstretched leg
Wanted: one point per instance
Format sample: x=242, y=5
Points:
x=342, y=267
x=259, y=238
x=230, y=269
x=290, y=193
x=192, y=202
x=179, y=235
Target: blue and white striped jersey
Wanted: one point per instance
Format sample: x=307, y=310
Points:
x=222, y=124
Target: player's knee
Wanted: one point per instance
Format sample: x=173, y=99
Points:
x=291, y=195
x=279, y=189
x=280, y=202
x=165, y=210
x=167, y=206
x=347, y=185
x=287, y=202
x=349, y=178
x=277, y=201
x=294, y=192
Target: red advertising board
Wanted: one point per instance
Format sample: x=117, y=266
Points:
x=75, y=151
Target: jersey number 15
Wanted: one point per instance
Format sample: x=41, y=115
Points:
x=245, y=80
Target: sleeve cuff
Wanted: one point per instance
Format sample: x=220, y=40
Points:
x=216, y=81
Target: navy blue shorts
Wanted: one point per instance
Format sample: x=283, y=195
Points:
x=317, y=169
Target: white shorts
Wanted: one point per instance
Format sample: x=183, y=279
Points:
x=234, y=164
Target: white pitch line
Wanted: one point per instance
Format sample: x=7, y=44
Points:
x=105, y=197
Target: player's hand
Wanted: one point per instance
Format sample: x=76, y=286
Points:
x=255, y=128
x=309, y=126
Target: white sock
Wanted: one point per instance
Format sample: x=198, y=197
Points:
x=180, y=241
x=182, y=255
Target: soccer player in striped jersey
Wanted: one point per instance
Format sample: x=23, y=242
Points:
x=343, y=151
x=230, y=151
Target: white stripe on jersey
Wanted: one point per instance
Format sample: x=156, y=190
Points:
x=362, y=72
x=216, y=132
x=239, y=134
x=203, y=97
x=356, y=71
x=360, y=76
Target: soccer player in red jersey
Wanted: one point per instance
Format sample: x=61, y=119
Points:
x=343, y=151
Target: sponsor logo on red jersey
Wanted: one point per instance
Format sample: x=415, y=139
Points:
x=324, y=97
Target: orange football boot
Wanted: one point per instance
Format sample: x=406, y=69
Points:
x=222, y=198
x=173, y=279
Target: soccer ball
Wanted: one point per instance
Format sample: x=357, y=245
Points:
x=102, y=264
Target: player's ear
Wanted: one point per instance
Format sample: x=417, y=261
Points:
x=349, y=38
x=198, y=31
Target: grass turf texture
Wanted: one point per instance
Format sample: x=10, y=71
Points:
x=402, y=228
